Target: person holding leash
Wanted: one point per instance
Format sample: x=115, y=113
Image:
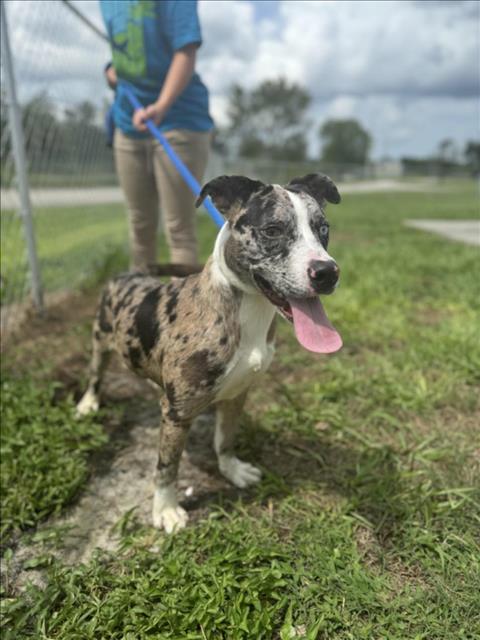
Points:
x=154, y=47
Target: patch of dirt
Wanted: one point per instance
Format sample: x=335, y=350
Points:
x=48, y=341
x=61, y=307
x=122, y=477
x=128, y=485
x=374, y=557
x=431, y=317
x=368, y=547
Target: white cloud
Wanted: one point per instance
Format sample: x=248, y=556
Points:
x=407, y=70
x=219, y=108
x=360, y=47
x=342, y=107
x=55, y=52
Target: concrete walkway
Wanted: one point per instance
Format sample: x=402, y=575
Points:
x=62, y=197
x=466, y=231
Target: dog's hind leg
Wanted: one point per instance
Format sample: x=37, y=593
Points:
x=241, y=474
x=167, y=513
x=100, y=356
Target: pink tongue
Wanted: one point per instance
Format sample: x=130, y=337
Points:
x=312, y=327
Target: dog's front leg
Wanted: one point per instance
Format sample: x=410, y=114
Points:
x=167, y=513
x=241, y=474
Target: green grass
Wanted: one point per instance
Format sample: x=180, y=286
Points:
x=74, y=244
x=366, y=524
x=44, y=451
x=67, y=180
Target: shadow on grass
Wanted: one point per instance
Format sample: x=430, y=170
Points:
x=120, y=411
x=369, y=479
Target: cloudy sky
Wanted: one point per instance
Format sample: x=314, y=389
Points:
x=408, y=70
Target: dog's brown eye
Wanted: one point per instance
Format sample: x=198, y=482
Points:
x=272, y=231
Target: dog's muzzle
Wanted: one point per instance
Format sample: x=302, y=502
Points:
x=323, y=275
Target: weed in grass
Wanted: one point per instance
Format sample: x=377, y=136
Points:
x=44, y=452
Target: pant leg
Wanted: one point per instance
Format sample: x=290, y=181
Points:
x=134, y=164
x=177, y=201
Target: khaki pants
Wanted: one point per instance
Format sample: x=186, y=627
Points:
x=150, y=180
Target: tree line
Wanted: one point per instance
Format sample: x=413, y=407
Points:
x=66, y=143
x=267, y=122
x=271, y=121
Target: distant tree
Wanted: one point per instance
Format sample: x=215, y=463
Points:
x=219, y=141
x=447, y=150
x=39, y=112
x=344, y=142
x=446, y=159
x=59, y=145
x=472, y=157
x=83, y=113
x=295, y=147
x=269, y=121
x=86, y=112
x=56, y=144
x=42, y=131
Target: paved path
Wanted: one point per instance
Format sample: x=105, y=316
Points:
x=113, y=195
x=466, y=231
x=64, y=197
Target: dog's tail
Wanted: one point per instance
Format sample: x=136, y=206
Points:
x=174, y=270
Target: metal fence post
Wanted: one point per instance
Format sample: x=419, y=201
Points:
x=18, y=147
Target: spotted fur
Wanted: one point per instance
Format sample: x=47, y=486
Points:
x=205, y=338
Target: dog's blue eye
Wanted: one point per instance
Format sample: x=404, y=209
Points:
x=272, y=231
x=324, y=229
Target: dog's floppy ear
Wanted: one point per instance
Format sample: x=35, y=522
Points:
x=227, y=192
x=318, y=186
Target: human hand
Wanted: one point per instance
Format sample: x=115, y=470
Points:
x=154, y=112
x=111, y=77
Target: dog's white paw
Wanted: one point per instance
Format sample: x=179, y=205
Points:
x=88, y=404
x=167, y=513
x=170, y=519
x=241, y=474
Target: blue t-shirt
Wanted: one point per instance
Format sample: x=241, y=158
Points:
x=144, y=35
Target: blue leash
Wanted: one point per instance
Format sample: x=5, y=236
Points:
x=181, y=168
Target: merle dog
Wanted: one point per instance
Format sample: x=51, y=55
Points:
x=204, y=339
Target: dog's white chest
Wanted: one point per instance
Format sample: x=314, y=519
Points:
x=253, y=355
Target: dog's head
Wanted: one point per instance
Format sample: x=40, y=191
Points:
x=277, y=241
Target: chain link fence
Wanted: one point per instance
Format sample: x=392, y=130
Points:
x=57, y=67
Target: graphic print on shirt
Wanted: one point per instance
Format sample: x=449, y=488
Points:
x=128, y=43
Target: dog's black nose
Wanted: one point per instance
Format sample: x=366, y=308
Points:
x=323, y=275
